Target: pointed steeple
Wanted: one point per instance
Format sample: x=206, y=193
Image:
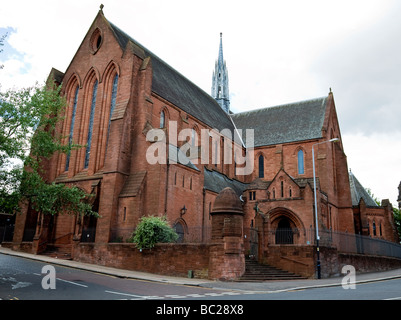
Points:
x=221, y=59
x=220, y=80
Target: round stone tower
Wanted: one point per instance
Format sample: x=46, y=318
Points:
x=227, y=259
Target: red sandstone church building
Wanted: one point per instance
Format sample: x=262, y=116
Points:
x=118, y=91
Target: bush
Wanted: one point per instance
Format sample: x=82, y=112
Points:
x=152, y=230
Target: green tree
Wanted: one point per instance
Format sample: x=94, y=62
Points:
x=2, y=38
x=152, y=230
x=28, y=119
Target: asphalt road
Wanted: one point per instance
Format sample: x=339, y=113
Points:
x=22, y=279
x=25, y=279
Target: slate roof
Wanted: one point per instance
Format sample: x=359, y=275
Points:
x=358, y=192
x=215, y=181
x=56, y=75
x=177, y=156
x=133, y=184
x=286, y=123
x=177, y=89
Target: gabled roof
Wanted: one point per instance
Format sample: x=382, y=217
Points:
x=177, y=89
x=358, y=192
x=286, y=123
x=261, y=184
x=133, y=184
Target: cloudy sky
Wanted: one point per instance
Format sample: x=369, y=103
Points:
x=277, y=52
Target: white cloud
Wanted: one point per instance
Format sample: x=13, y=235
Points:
x=375, y=160
x=16, y=71
x=364, y=70
x=276, y=51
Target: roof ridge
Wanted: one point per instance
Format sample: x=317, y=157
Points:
x=224, y=175
x=360, y=191
x=123, y=38
x=153, y=55
x=282, y=105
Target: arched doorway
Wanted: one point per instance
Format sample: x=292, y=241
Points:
x=179, y=229
x=89, y=223
x=286, y=227
x=284, y=233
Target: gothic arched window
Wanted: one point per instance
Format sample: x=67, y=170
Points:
x=261, y=166
x=91, y=120
x=162, y=119
x=179, y=229
x=193, y=136
x=112, y=104
x=374, y=228
x=74, y=111
x=301, y=169
x=215, y=154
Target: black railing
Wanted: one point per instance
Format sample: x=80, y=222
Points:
x=355, y=243
x=343, y=241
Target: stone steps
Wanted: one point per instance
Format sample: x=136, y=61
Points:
x=59, y=251
x=258, y=272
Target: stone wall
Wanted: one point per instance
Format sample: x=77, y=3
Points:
x=222, y=259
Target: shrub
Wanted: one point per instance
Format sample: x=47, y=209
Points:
x=152, y=230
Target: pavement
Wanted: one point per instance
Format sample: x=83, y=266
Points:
x=257, y=287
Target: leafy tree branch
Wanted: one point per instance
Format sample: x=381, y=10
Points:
x=28, y=119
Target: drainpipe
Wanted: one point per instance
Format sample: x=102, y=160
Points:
x=166, y=193
x=203, y=214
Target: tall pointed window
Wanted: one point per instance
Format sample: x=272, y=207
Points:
x=193, y=136
x=261, y=166
x=74, y=111
x=90, y=131
x=162, y=119
x=112, y=105
x=301, y=169
x=215, y=154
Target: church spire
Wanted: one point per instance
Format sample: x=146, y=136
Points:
x=220, y=80
x=221, y=59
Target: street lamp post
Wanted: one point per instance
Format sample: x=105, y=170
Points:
x=314, y=192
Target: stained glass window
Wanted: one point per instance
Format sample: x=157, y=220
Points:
x=112, y=105
x=301, y=162
x=90, y=131
x=74, y=111
x=162, y=119
x=261, y=166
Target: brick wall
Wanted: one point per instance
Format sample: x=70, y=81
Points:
x=302, y=260
x=167, y=259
